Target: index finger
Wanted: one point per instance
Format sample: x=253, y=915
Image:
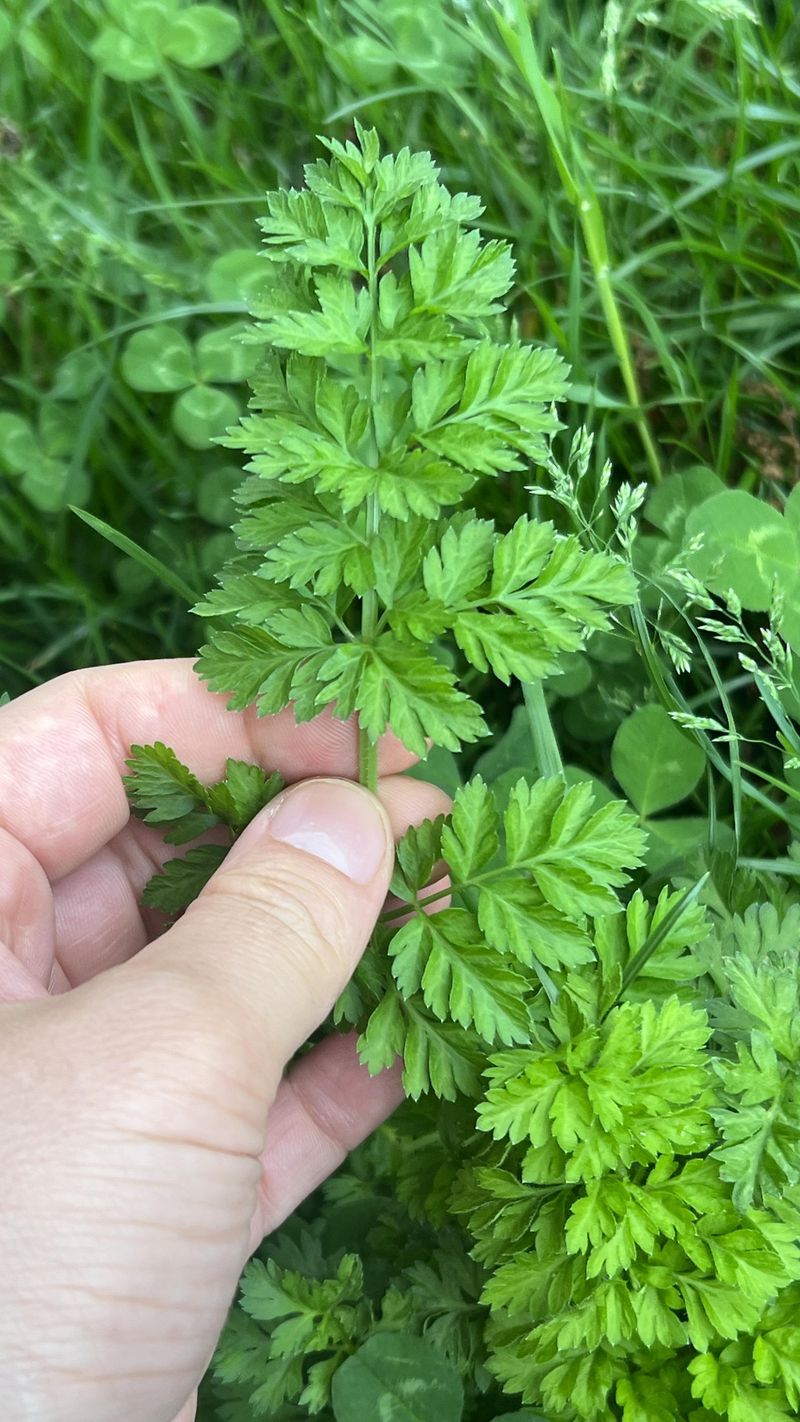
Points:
x=64, y=745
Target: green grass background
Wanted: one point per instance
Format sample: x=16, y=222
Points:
x=643, y=159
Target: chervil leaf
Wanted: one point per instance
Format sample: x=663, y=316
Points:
x=502, y=642
x=443, y=956
x=520, y=556
x=444, y=1293
x=490, y=409
x=339, y=327
x=458, y=565
x=410, y=336
x=240, y=1352
x=768, y=999
x=294, y=1315
x=470, y=837
x=776, y=1359
x=405, y=483
x=678, y=958
x=536, y=604
x=437, y=1056
x=515, y=916
x=244, y=791
x=390, y=684
x=724, y=1391
x=760, y=1121
x=634, y=1089
x=167, y=794
x=253, y=665
x=645, y=1399
x=417, y=853
x=576, y=856
x=269, y=1293
x=453, y=273
x=405, y=175
x=323, y=555
x=244, y=592
x=164, y=792
x=313, y=233
x=293, y=453
x=572, y=585
x=265, y=523
x=182, y=879
x=616, y=1220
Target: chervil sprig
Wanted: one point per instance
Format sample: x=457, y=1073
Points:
x=385, y=392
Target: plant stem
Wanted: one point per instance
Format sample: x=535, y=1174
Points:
x=367, y=761
x=577, y=184
x=367, y=751
x=548, y=756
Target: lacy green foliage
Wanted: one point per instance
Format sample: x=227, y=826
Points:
x=637, y=1258
x=759, y=1118
x=590, y=1205
x=165, y=794
x=606, y=1256
x=482, y=963
x=383, y=396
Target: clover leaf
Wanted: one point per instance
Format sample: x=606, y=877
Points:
x=656, y=764
x=392, y=1375
x=670, y=503
x=77, y=375
x=215, y=495
x=143, y=34
x=39, y=458
x=201, y=413
x=747, y=546
x=235, y=276
x=160, y=360
x=406, y=35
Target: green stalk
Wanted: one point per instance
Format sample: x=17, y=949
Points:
x=548, y=756
x=580, y=190
x=367, y=751
x=367, y=761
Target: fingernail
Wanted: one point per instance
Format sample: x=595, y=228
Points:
x=335, y=821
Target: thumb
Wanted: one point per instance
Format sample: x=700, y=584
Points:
x=278, y=931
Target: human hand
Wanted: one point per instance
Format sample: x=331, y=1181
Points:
x=148, y=1139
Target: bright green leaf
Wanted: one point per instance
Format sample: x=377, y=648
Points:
x=203, y=413
x=747, y=547
x=201, y=35
x=158, y=358
x=183, y=878
x=220, y=355
x=670, y=503
x=656, y=764
x=443, y=956
x=122, y=56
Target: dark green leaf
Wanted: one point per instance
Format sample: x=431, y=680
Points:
x=398, y=1377
x=182, y=879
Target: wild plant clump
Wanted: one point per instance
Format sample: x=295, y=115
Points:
x=589, y=1205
